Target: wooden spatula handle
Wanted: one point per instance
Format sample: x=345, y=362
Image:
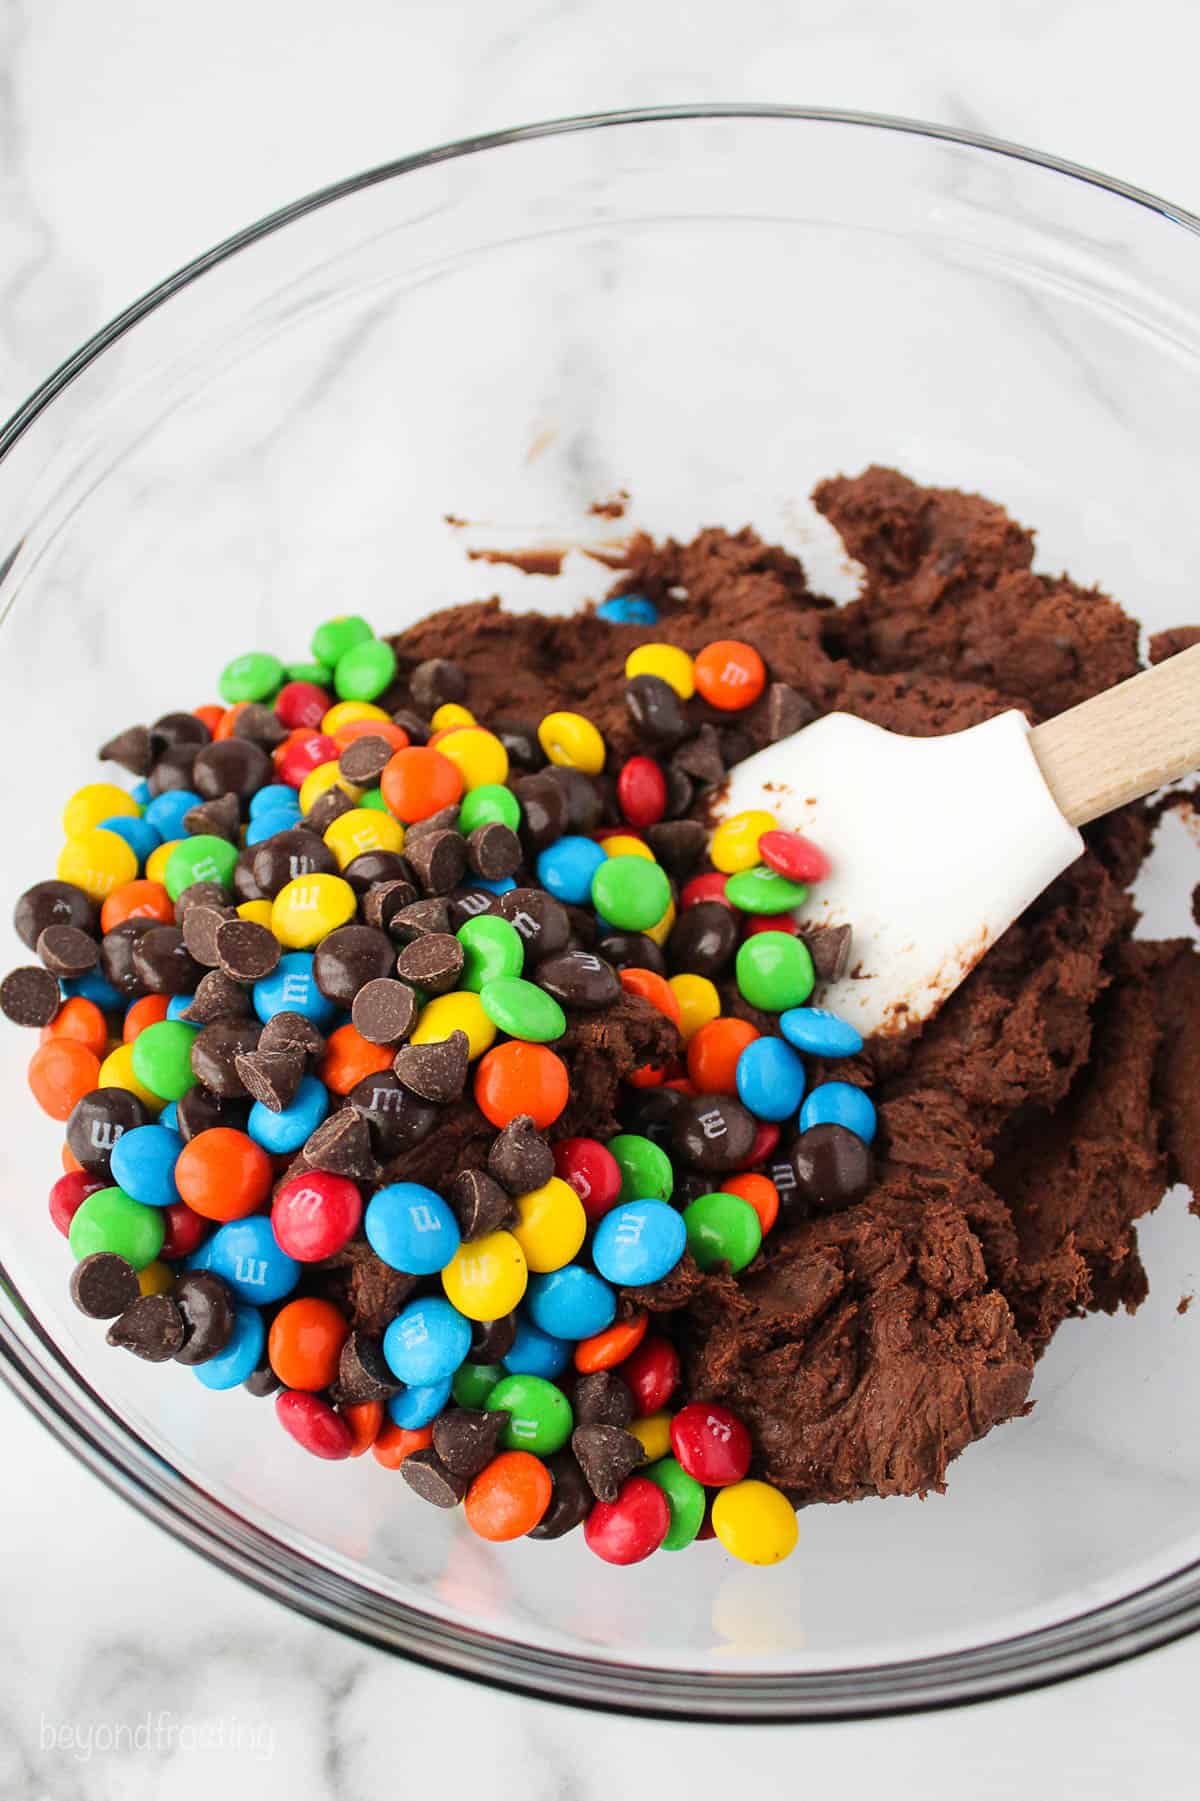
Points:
x=1125, y=742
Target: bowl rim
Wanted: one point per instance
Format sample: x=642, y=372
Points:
x=1154, y=1615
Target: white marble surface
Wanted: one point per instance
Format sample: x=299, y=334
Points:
x=131, y=135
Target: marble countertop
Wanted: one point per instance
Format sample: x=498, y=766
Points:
x=131, y=136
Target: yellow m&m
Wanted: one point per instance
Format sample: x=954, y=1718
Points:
x=97, y=861
x=116, y=1071
x=754, y=1522
x=460, y=1012
x=344, y=712
x=479, y=756
x=309, y=908
x=699, y=1002
x=92, y=805
x=734, y=844
x=668, y=663
x=324, y=777
x=450, y=715
x=551, y=1225
x=362, y=829
x=572, y=742
x=653, y=1433
x=486, y=1278
x=624, y=844
x=257, y=912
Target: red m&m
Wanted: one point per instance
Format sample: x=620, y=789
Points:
x=710, y=1443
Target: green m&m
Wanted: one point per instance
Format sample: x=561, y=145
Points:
x=722, y=1228
x=523, y=1010
x=162, y=1058
x=204, y=858
x=319, y=674
x=775, y=971
x=335, y=637
x=540, y=1417
x=365, y=670
x=255, y=676
x=111, y=1220
x=472, y=1383
x=647, y=1173
x=492, y=949
x=631, y=892
x=761, y=890
x=685, y=1498
x=489, y=804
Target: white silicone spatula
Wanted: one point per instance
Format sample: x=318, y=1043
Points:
x=937, y=844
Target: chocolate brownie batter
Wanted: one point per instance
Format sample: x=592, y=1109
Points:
x=1025, y=1130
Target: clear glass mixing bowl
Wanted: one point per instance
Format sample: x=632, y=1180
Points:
x=710, y=308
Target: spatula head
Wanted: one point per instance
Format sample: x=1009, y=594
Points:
x=937, y=844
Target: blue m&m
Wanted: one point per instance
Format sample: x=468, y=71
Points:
x=274, y=796
x=410, y=1228
x=284, y=1132
x=840, y=1104
x=770, y=1079
x=246, y=1253
x=143, y=1164
x=640, y=1242
x=291, y=988
x=240, y=1356
x=819, y=1033
x=628, y=609
x=165, y=812
x=139, y=835
x=273, y=819
x=414, y=1407
x=426, y=1342
x=535, y=1353
x=571, y=1302
x=566, y=869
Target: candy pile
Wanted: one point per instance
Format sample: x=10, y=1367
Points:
x=337, y=920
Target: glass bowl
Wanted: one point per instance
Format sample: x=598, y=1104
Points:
x=710, y=308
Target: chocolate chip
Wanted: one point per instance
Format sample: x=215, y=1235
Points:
x=199, y=1111
x=543, y=811
x=272, y=1077
x=384, y=1011
x=585, y=802
x=466, y=1440
x=439, y=859
x=246, y=952
x=650, y=1112
x=233, y=766
x=291, y=1031
x=30, y=996
x=656, y=711
x=480, y=1204
x=520, y=740
x=632, y=950
x=786, y=712
x=713, y=1132
x=151, y=1327
x=348, y=959
x=603, y=1399
x=700, y=758
x=412, y=723
x=201, y=894
x=116, y=955
x=326, y=808
x=433, y=963
x=444, y=820
x=582, y=922
x=216, y=997
x=435, y=682
x=178, y=730
x=68, y=951
x=680, y=793
x=398, y=1120
x=703, y=939
x=262, y=1381
x=579, y=979
x=260, y=723
x=829, y=947
x=540, y=919
x=53, y=904
x=162, y=962
x=678, y=844
x=493, y=851
x=200, y=926
x=215, y=1052
x=207, y=1309
x=245, y=888
x=363, y=1373
x=735, y=744
x=103, y=1285
x=832, y=1167
x=492, y=1339
x=421, y=917
x=95, y=1123
x=520, y=1159
x=382, y=902
x=296, y=852
x=364, y=760
x=570, y=1502
x=131, y=749
x=221, y=818
x=373, y=866
x=435, y=1072
x=172, y=770
x=606, y=1455
x=341, y=1144
x=428, y=1477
